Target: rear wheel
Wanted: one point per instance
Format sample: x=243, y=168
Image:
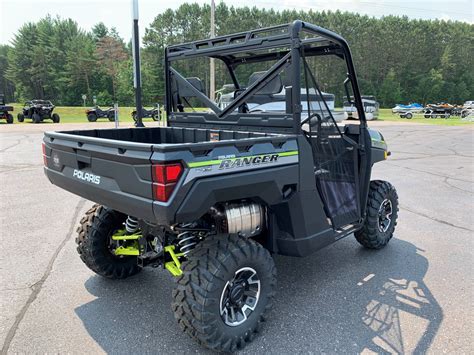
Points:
x=9, y=118
x=55, y=118
x=95, y=245
x=225, y=292
x=36, y=118
x=381, y=218
x=91, y=117
x=20, y=117
x=155, y=116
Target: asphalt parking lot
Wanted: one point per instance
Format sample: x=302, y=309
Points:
x=416, y=295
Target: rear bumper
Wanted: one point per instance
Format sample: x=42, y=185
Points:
x=108, y=194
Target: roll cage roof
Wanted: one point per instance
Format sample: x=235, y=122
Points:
x=284, y=44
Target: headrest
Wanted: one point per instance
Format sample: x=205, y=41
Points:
x=194, y=81
x=273, y=87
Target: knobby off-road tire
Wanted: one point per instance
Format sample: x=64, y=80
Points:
x=94, y=233
x=20, y=117
x=199, y=295
x=9, y=118
x=378, y=230
x=55, y=118
x=36, y=118
x=92, y=117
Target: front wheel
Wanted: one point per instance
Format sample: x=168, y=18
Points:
x=381, y=217
x=9, y=118
x=20, y=117
x=36, y=118
x=225, y=292
x=91, y=117
x=95, y=245
x=55, y=118
x=409, y=115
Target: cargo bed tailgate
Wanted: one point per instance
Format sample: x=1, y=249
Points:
x=113, y=173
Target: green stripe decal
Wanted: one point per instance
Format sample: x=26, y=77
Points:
x=200, y=164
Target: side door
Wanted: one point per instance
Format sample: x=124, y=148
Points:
x=335, y=155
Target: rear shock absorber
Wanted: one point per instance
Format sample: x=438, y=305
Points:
x=131, y=225
x=187, y=240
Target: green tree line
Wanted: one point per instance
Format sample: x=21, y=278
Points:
x=397, y=59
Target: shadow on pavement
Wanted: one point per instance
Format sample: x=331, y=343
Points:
x=342, y=299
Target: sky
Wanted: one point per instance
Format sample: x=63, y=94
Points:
x=117, y=13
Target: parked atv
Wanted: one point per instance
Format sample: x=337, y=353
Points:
x=38, y=111
x=214, y=194
x=154, y=113
x=94, y=113
x=4, y=110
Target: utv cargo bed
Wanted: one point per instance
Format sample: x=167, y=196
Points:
x=113, y=167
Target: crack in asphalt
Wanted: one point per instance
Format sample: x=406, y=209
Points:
x=9, y=169
x=431, y=173
x=428, y=156
x=455, y=187
x=37, y=286
x=19, y=140
x=435, y=219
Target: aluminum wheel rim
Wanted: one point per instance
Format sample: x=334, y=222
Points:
x=385, y=215
x=240, y=297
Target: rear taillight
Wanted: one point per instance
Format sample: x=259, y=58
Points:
x=165, y=178
x=45, y=160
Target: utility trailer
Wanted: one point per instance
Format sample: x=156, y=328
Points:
x=212, y=196
x=440, y=110
x=408, y=111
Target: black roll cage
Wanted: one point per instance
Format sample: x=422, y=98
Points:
x=236, y=49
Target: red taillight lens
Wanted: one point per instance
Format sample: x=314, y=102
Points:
x=45, y=160
x=163, y=193
x=165, y=177
x=167, y=173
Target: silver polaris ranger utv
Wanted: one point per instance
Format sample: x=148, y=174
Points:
x=219, y=190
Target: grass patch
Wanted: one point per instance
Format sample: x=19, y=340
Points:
x=386, y=115
x=74, y=114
